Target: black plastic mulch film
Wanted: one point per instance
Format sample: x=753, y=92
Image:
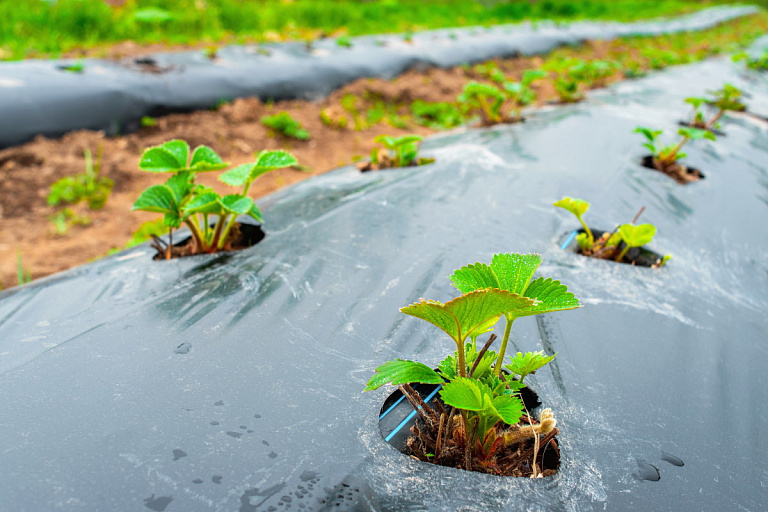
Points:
x=234, y=381
x=39, y=97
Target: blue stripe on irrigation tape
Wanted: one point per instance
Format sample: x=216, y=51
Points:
x=569, y=240
x=392, y=407
x=413, y=413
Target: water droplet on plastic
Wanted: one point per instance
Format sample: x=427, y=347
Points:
x=197, y=481
x=184, y=348
x=257, y=415
x=235, y=434
x=214, y=423
x=157, y=504
x=220, y=402
x=178, y=454
x=306, y=476
x=265, y=443
x=272, y=455
x=216, y=479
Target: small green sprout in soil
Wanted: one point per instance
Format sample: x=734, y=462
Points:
x=89, y=187
x=148, y=122
x=438, y=115
x=396, y=152
x=344, y=41
x=520, y=93
x=610, y=245
x=181, y=201
x=75, y=67
x=666, y=157
x=570, y=78
x=23, y=276
x=283, y=123
x=485, y=427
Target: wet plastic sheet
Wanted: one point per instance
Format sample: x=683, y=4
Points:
x=233, y=382
x=37, y=97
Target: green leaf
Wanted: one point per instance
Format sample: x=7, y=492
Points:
x=235, y=203
x=463, y=393
x=696, y=133
x=525, y=364
x=509, y=407
x=206, y=159
x=208, y=202
x=514, y=270
x=275, y=160
x=635, y=236
x=255, y=213
x=578, y=207
x=550, y=296
x=402, y=371
x=386, y=141
x=462, y=316
x=170, y=156
x=477, y=276
x=180, y=185
x=157, y=199
x=238, y=175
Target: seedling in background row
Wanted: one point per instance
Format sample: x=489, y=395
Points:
x=484, y=99
x=520, y=93
x=725, y=99
x=283, y=123
x=439, y=115
x=396, y=152
x=484, y=423
x=181, y=201
x=613, y=245
x=665, y=158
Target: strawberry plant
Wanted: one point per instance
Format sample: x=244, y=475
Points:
x=486, y=421
x=439, y=115
x=666, y=157
x=395, y=152
x=520, y=93
x=485, y=99
x=569, y=77
x=610, y=245
x=181, y=201
x=283, y=123
x=725, y=99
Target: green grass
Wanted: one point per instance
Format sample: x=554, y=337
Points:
x=37, y=28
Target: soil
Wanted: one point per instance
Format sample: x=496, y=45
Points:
x=516, y=460
x=636, y=256
x=234, y=130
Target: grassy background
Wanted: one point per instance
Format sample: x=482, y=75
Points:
x=37, y=28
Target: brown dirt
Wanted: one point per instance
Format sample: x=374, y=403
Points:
x=27, y=171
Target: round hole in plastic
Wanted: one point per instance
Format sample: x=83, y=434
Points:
x=397, y=417
x=684, y=177
x=637, y=256
x=248, y=236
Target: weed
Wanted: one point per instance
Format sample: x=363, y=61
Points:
x=283, y=123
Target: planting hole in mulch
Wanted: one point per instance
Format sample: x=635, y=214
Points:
x=637, y=256
x=245, y=235
x=401, y=427
x=678, y=172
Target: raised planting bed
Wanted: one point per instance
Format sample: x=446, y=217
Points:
x=233, y=381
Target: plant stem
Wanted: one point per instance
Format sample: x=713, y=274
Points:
x=196, y=235
x=503, y=349
x=715, y=119
x=637, y=215
x=427, y=413
x=216, y=239
x=623, y=253
x=462, y=359
x=588, y=231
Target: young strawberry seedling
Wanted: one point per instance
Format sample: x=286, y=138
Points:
x=610, y=245
x=283, y=123
x=726, y=99
x=181, y=201
x=520, y=93
x=485, y=426
x=439, y=115
x=396, y=152
x=485, y=99
x=666, y=158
